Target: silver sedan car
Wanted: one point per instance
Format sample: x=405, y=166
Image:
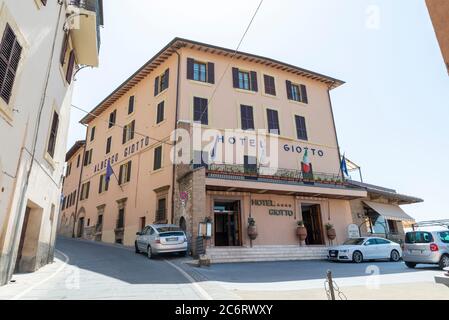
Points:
x=161, y=238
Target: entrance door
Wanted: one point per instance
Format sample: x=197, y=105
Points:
x=227, y=224
x=22, y=238
x=80, y=227
x=311, y=215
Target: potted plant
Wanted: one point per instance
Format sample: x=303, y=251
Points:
x=301, y=230
x=331, y=234
x=252, y=229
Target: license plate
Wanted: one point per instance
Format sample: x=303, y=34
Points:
x=333, y=254
x=172, y=239
x=416, y=251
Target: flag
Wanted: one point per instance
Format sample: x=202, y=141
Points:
x=344, y=168
x=213, y=151
x=306, y=167
x=109, y=171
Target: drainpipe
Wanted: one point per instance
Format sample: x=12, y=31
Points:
x=79, y=183
x=335, y=130
x=176, y=139
x=33, y=153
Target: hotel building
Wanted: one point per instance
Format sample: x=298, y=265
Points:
x=191, y=86
x=43, y=44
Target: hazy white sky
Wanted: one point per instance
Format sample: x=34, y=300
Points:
x=391, y=115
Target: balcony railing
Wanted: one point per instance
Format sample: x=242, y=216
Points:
x=273, y=175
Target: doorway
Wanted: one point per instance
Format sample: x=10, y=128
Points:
x=227, y=224
x=80, y=227
x=311, y=215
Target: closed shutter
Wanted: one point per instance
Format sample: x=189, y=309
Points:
x=70, y=66
x=10, y=52
x=128, y=175
x=211, y=72
x=254, y=81
x=235, y=77
x=190, y=63
x=100, y=186
x=125, y=128
x=166, y=78
x=289, y=89
x=120, y=175
x=53, y=135
x=133, y=125
x=270, y=87
x=131, y=105
x=156, y=86
x=160, y=112
x=301, y=130
x=304, y=98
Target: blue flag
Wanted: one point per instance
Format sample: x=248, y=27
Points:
x=109, y=171
x=344, y=168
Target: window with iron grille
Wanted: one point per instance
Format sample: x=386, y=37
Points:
x=10, y=52
x=53, y=134
x=161, y=213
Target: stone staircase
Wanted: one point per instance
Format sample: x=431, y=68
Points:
x=265, y=253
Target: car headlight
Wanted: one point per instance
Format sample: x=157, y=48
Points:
x=344, y=251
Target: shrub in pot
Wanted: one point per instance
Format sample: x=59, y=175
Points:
x=331, y=233
x=301, y=231
x=252, y=229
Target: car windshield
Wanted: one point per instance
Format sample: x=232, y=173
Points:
x=444, y=236
x=354, y=242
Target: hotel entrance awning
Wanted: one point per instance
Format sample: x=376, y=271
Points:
x=389, y=211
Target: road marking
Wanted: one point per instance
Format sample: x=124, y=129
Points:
x=64, y=264
x=195, y=284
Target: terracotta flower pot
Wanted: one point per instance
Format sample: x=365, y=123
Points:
x=252, y=232
x=331, y=234
x=301, y=232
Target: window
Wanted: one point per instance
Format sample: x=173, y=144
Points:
x=142, y=223
x=247, y=117
x=100, y=220
x=92, y=134
x=44, y=2
x=392, y=226
x=200, y=71
x=53, y=134
x=382, y=241
x=85, y=191
x=270, y=87
x=70, y=67
x=301, y=131
x=78, y=161
x=87, y=157
x=74, y=197
x=10, y=52
x=128, y=132
x=157, y=158
x=104, y=184
x=112, y=118
x=250, y=165
x=108, y=145
x=371, y=242
x=418, y=237
x=161, y=82
x=160, y=112
x=296, y=92
x=273, y=121
x=161, y=209
x=69, y=169
x=245, y=80
x=65, y=44
x=444, y=236
x=200, y=112
x=125, y=173
x=131, y=105
x=121, y=218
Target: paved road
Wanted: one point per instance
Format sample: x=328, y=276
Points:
x=86, y=270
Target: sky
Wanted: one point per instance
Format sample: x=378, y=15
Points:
x=391, y=115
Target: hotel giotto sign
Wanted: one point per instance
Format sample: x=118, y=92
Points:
x=275, y=208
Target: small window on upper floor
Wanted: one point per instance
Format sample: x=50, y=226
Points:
x=92, y=134
x=161, y=82
x=160, y=112
x=112, y=118
x=270, y=86
x=297, y=92
x=200, y=71
x=53, y=135
x=128, y=132
x=131, y=104
x=245, y=80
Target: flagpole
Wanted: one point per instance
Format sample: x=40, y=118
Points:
x=118, y=182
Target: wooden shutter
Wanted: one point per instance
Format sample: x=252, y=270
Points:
x=10, y=52
x=211, y=72
x=100, y=186
x=270, y=87
x=166, y=78
x=131, y=105
x=190, y=63
x=289, y=89
x=133, y=125
x=125, y=128
x=70, y=66
x=235, y=77
x=120, y=175
x=304, y=98
x=254, y=81
x=65, y=44
x=156, y=86
x=128, y=176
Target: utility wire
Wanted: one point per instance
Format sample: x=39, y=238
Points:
x=232, y=57
x=120, y=126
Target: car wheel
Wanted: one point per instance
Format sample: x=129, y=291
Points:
x=136, y=248
x=410, y=265
x=395, y=256
x=150, y=253
x=357, y=257
x=444, y=261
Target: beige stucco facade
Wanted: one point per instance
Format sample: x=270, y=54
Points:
x=191, y=193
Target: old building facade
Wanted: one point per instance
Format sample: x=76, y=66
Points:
x=42, y=45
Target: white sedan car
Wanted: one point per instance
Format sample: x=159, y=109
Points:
x=369, y=248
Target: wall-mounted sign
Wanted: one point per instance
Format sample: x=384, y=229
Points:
x=281, y=213
x=282, y=209
x=353, y=231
